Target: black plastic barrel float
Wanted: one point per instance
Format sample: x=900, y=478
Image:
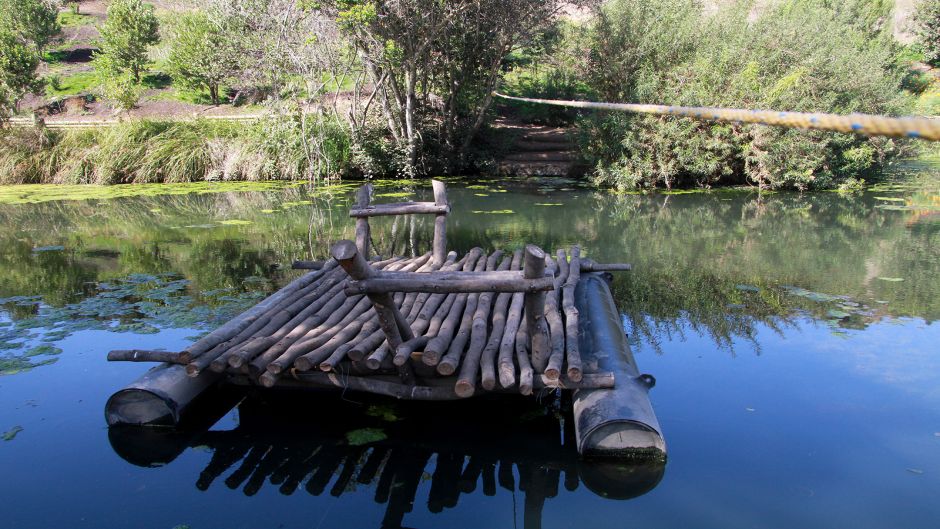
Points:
x=159, y=397
x=617, y=422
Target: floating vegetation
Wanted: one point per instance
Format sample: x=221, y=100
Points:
x=477, y=186
x=138, y=303
x=548, y=204
x=236, y=222
x=401, y=194
x=10, y=434
x=891, y=279
x=480, y=194
x=36, y=193
x=382, y=411
x=494, y=212
x=364, y=436
x=49, y=249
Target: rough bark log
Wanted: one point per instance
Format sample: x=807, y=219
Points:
x=522, y=358
x=537, y=327
x=500, y=309
x=553, y=316
x=469, y=371
x=439, y=243
x=402, y=208
x=143, y=355
x=571, y=316
x=448, y=364
x=363, y=231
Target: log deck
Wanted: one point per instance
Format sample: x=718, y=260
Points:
x=431, y=327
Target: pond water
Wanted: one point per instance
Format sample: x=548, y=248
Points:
x=793, y=337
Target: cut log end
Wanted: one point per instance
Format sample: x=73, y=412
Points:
x=268, y=379
x=446, y=367
x=552, y=373
x=464, y=389
x=575, y=374
x=343, y=250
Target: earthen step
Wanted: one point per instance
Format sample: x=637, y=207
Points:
x=545, y=156
x=529, y=145
x=554, y=136
x=510, y=168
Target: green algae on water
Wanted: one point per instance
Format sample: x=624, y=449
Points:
x=364, y=436
x=37, y=193
x=10, y=434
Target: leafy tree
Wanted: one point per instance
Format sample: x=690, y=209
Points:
x=129, y=29
x=927, y=18
x=117, y=83
x=32, y=21
x=202, y=53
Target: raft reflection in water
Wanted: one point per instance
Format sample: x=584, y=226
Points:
x=302, y=440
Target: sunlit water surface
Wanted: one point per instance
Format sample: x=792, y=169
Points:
x=793, y=338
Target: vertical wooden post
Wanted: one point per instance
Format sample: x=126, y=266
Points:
x=392, y=321
x=535, y=309
x=363, y=234
x=439, y=245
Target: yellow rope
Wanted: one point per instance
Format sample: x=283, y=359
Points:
x=865, y=124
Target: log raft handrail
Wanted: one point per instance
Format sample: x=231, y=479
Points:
x=440, y=208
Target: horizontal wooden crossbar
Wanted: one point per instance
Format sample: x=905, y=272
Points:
x=401, y=208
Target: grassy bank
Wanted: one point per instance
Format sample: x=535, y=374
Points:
x=147, y=151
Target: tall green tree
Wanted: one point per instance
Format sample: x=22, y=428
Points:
x=203, y=54
x=30, y=21
x=131, y=27
x=927, y=19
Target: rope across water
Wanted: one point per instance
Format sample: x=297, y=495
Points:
x=865, y=124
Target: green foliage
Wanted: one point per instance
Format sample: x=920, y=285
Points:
x=32, y=21
x=72, y=19
x=116, y=83
x=672, y=52
x=203, y=54
x=18, y=63
x=141, y=151
x=73, y=84
x=927, y=20
x=131, y=27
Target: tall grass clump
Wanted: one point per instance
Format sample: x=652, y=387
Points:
x=789, y=55
x=152, y=151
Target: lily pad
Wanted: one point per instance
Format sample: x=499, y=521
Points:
x=891, y=279
x=495, y=212
x=43, y=350
x=364, y=436
x=890, y=199
x=10, y=434
x=838, y=314
x=401, y=194
x=236, y=222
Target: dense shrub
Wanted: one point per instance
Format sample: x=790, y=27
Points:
x=927, y=20
x=795, y=55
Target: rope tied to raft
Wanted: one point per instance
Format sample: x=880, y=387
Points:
x=863, y=124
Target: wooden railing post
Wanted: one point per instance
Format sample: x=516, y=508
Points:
x=535, y=309
x=391, y=320
x=439, y=245
x=362, y=223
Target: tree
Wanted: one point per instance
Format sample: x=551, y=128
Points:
x=129, y=29
x=30, y=21
x=418, y=52
x=927, y=18
x=202, y=53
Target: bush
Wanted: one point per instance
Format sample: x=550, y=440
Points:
x=203, y=55
x=671, y=52
x=927, y=20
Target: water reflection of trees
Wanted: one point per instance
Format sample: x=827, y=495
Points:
x=690, y=252
x=467, y=450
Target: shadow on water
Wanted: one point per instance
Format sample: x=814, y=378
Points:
x=324, y=444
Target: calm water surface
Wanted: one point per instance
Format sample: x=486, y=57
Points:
x=793, y=338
